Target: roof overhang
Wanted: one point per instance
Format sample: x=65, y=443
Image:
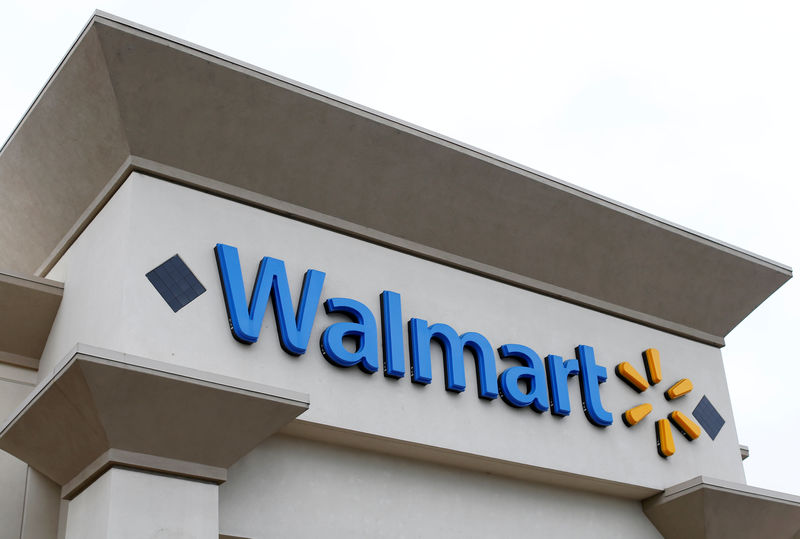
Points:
x=128, y=98
x=101, y=408
x=27, y=310
x=706, y=508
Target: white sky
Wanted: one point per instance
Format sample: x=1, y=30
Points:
x=686, y=110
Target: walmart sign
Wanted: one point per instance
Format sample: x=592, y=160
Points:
x=546, y=380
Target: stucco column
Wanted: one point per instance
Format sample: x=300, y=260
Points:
x=131, y=504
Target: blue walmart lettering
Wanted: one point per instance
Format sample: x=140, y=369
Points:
x=545, y=382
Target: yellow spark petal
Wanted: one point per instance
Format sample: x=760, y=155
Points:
x=652, y=365
x=630, y=376
x=679, y=389
x=636, y=414
x=664, y=442
x=688, y=428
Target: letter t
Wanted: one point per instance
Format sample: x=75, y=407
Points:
x=591, y=376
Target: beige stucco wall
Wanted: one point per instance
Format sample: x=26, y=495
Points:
x=289, y=487
x=108, y=302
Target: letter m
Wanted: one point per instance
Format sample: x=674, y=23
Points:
x=420, y=336
x=294, y=330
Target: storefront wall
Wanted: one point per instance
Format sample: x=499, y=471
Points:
x=108, y=302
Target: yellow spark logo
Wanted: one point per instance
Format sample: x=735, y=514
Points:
x=652, y=367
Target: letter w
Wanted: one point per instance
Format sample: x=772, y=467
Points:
x=294, y=331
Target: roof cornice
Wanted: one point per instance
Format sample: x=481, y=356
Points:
x=126, y=97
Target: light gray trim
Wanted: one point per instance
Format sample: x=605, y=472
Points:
x=142, y=462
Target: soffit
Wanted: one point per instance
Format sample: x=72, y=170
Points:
x=98, y=400
x=27, y=310
x=124, y=92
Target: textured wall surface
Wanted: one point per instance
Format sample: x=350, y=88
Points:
x=108, y=302
x=362, y=494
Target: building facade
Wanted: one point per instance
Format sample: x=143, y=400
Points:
x=238, y=307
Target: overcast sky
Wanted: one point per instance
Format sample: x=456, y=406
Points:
x=687, y=110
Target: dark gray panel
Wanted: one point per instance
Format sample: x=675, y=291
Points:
x=176, y=283
x=708, y=417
